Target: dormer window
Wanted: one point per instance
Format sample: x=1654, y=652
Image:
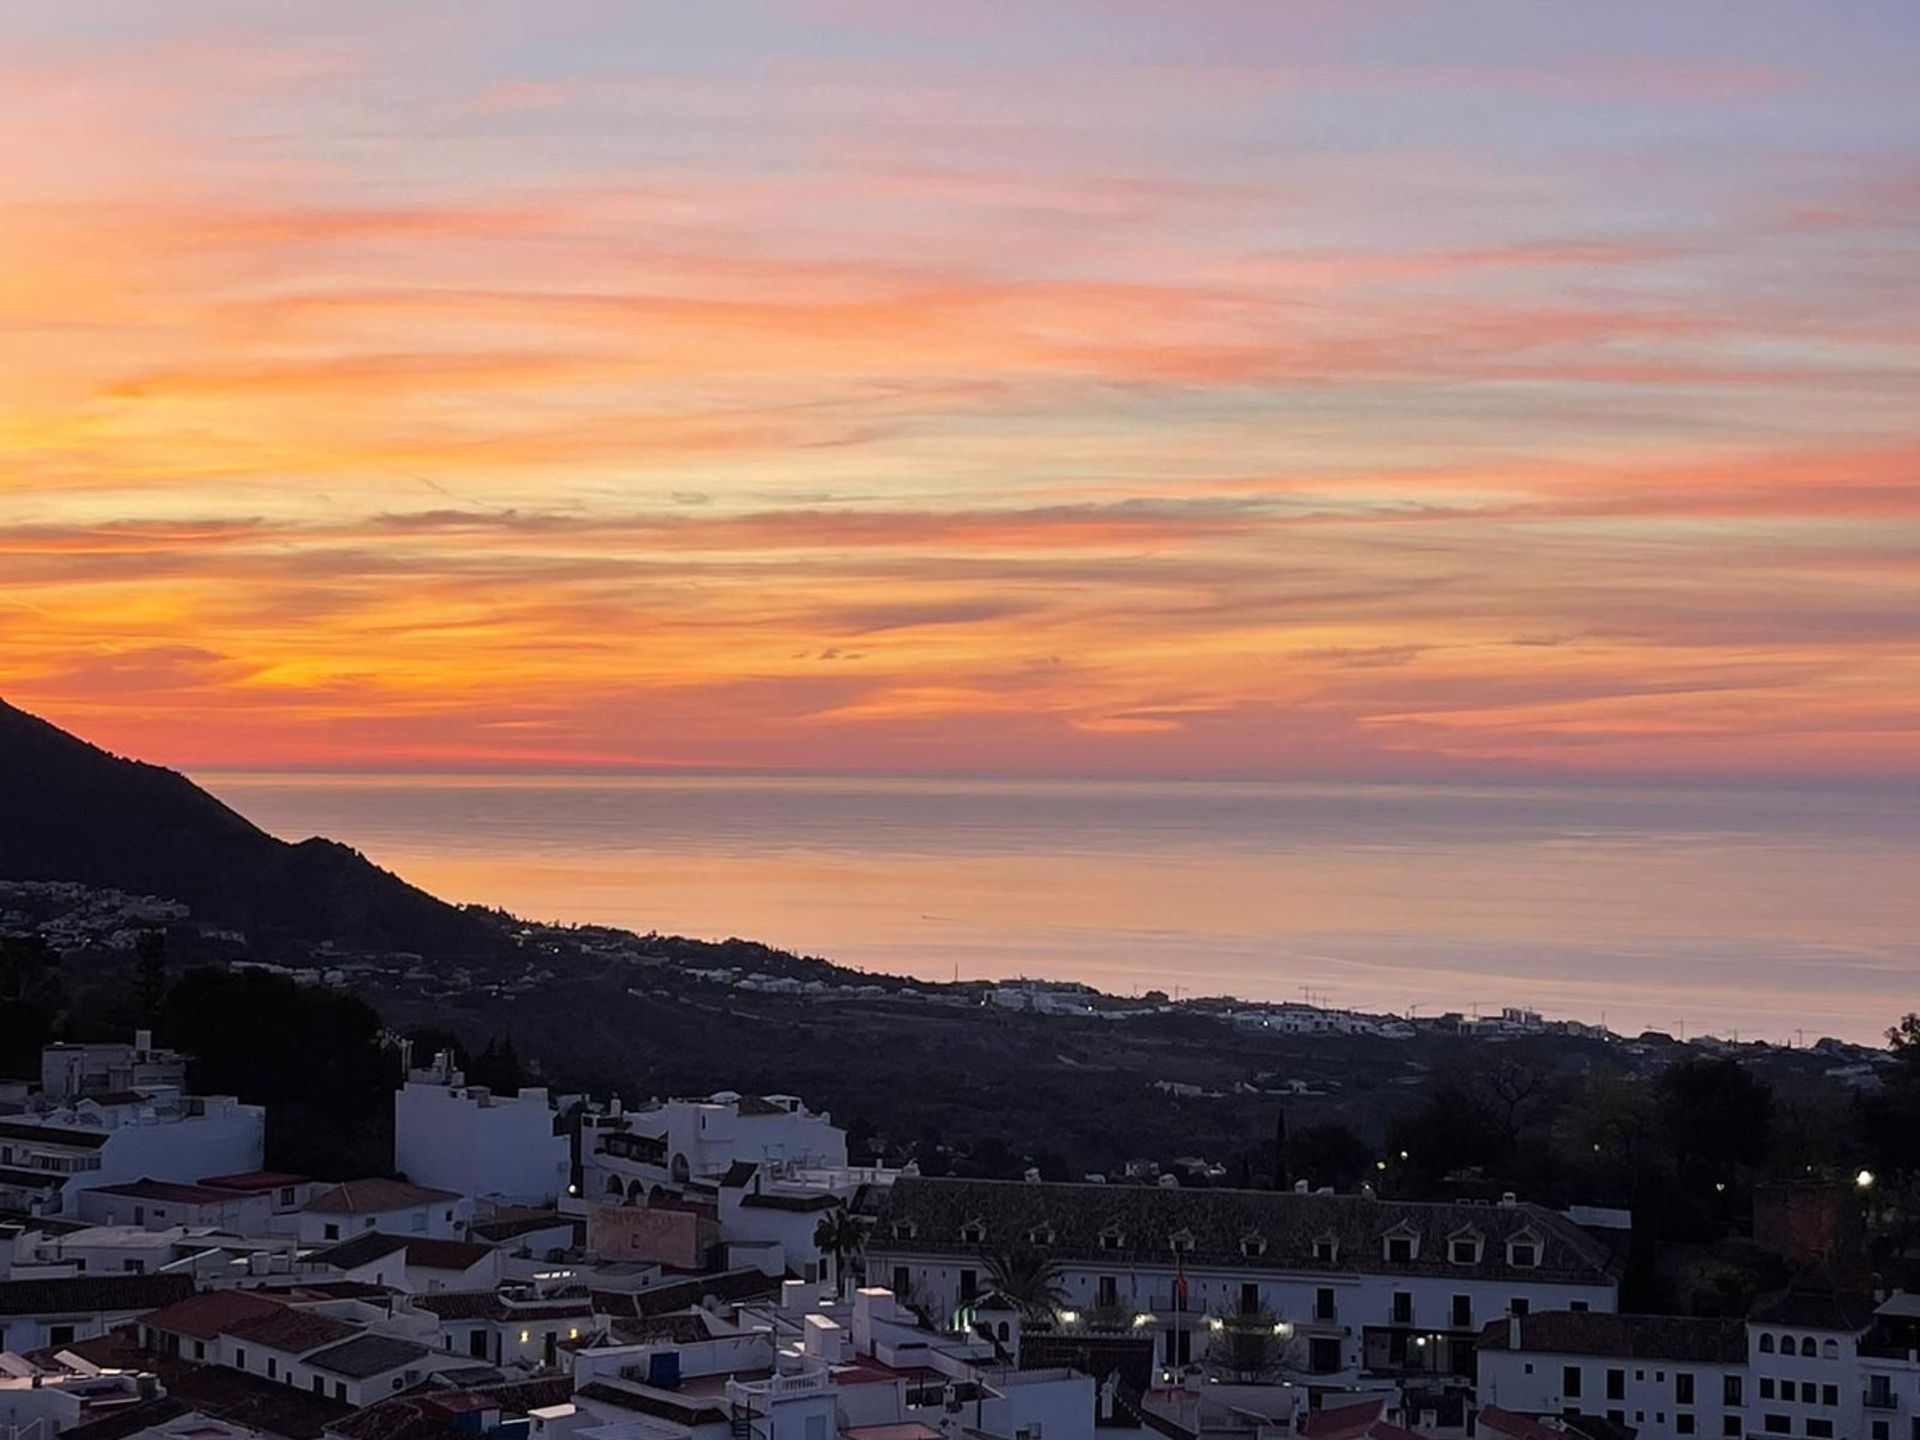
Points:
x=1181, y=1241
x=1464, y=1247
x=974, y=1232
x=905, y=1230
x=1523, y=1251
x=1326, y=1250
x=1112, y=1238
x=1401, y=1245
x=1040, y=1235
x=1253, y=1246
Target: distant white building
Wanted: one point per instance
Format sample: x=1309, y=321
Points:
x=48, y=1158
x=1360, y=1285
x=677, y=1145
x=68, y=1072
x=463, y=1137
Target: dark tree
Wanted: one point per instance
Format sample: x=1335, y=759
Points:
x=150, y=976
x=312, y=1055
x=1329, y=1154
x=31, y=997
x=1281, y=1180
x=1717, y=1117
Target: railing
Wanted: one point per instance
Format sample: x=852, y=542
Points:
x=1881, y=1400
x=780, y=1387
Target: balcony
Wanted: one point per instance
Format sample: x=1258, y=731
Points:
x=758, y=1394
x=1880, y=1400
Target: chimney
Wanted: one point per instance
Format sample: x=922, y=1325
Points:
x=143, y=1040
x=1300, y=1187
x=1513, y=1332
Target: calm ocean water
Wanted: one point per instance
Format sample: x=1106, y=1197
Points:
x=1761, y=910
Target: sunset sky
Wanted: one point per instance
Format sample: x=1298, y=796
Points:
x=1295, y=388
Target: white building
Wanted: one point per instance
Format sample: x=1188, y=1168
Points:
x=677, y=1145
x=1355, y=1283
x=394, y=1207
x=69, y=1072
x=463, y=1137
x=1662, y=1375
x=58, y=1311
x=48, y=1157
x=166, y=1204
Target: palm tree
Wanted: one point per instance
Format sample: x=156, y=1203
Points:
x=842, y=1236
x=1028, y=1277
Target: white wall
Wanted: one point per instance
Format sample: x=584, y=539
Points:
x=1534, y=1383
x=229, y=1139
x=479, y=1144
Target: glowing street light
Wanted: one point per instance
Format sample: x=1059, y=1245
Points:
x=1864, y=1179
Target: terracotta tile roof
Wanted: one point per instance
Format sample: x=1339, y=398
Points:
x=462, y=1304
x=53, y=1135
x=427, y=1415
x=149, y=1189
x=92, y=1294
x=1815, y=1308
x=508, y=1229
x=1509, y=1426
x=226, y=1394
x=252, y=1182
x=1134, y=1224
x=205, y=1317
x=290, y=1330
x=375, y=1197
x=728, y=1287
x=432, y=1254
x=362, y=1249
x=684, y=1411
x=1627, y=1337
x=366, y=1355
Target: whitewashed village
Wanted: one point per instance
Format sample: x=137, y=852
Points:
x=714, y=1268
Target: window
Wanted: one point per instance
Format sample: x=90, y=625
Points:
x=1249, y=1299
x=1570, y=1382
x=1399, y=1249
x=1463, y=1250
x=1730, y=1425
x=1323, y=1355
x=134, y=1267
x=1776, y=1425
x=1324, y=1307
x=1820, y=1429
x=1829, y=1349
x=905, y=1230
x=1809, y=1393
x=1730, y=1390
x=273, y=1367
x=1107, y=1291
x=1040, y=1235
x=1578, y=1307
x=1616, y=1384
x=1519, y=1305
x=330, y=1232
x=1829, y=1394
x=339, y=1389
x=419, y=1222
x=1766, y=1343
x=1682, y=1387
x=1402, y=1307
x=449, y=1217
x=1683, y=1425
x=969, y=1284
x=199, y=1349
x=1462, y=1312
x=974, y=1232
x=477, y=1344
x=320, y=1385
x=1523, y=1255
x=1880, y=1430
x=371, y=1222
x=1181, y=1242
x=1253, y=1246
x=1326, y=1250
x=60, y=1334
x=902, y=1280
x=1766, y=1387
x=239, y=1359
x=1112, y=1240
x=286, y=1194
x=1807, y=1347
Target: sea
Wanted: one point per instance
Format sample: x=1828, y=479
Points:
x=1788, y=911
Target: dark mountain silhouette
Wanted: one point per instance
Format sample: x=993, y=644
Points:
x=71, y=811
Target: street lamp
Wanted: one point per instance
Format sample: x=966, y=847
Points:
x=1864, y=1179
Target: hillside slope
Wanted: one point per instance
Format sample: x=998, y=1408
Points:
x=71, y=811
